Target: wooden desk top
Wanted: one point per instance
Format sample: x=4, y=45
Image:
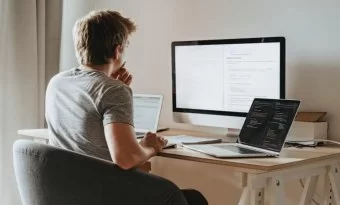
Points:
x=290, y=157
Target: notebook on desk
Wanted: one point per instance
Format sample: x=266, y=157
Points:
x=185, y=139
x=263, y=132
x=174, y=141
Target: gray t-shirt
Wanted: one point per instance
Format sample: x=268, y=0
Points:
x=78, y=105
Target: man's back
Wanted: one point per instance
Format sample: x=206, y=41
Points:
x=89, y=110
x=79, y=103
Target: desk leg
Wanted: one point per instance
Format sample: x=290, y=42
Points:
x=327, y=192
x=333, y=174
x=257, y=196
x=309, y=190
x=245, y=196
x=251, y=195
x=275, y=190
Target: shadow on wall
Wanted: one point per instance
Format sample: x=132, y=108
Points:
x=317, y=85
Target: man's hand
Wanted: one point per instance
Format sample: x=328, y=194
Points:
x=124, y=148
x=154, y=141
x=123, y=75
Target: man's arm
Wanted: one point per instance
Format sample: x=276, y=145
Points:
x=124, y=148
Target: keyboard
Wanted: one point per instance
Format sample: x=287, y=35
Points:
x=237, y=149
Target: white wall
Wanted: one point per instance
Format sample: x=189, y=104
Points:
x=310, y=27
x=312, y=34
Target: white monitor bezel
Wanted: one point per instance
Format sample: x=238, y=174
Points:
x=217, y=118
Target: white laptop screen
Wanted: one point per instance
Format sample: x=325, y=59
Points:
x=268, y=122
x=146, y=109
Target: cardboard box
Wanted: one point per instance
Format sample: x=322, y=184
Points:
x=308, y=126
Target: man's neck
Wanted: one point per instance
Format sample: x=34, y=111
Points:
x=107, y=69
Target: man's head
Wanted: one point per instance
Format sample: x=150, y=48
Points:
x=101, y=36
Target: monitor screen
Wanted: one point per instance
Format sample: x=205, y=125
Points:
x=224, y=76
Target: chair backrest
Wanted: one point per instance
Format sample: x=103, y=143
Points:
x=47, y=175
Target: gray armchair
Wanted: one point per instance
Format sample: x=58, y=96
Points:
x=48, y=175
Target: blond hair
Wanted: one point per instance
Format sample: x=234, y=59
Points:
x=97, y=35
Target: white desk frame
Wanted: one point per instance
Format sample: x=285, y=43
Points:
x=269, y=186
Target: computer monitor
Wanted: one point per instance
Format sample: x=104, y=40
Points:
x=215, y=81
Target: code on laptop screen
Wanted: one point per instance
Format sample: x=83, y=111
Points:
x=268, y=123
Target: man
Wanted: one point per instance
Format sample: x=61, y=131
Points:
x=89, y=108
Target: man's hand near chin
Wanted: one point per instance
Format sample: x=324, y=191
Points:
x=123, y=75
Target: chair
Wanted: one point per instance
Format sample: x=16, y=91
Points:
x=47, y=175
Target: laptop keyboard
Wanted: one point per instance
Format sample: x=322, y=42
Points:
x=237, y=149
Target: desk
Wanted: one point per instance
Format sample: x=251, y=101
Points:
x=38, y=135
x=262, y=178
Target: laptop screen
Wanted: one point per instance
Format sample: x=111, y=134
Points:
x=268, y=122
x=146, y=111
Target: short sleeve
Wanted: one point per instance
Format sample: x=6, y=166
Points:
x=117, y=105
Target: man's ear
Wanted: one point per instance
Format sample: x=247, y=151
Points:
x=118, y=52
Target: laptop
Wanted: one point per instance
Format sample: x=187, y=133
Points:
x=146, y=112
x=263, y=133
